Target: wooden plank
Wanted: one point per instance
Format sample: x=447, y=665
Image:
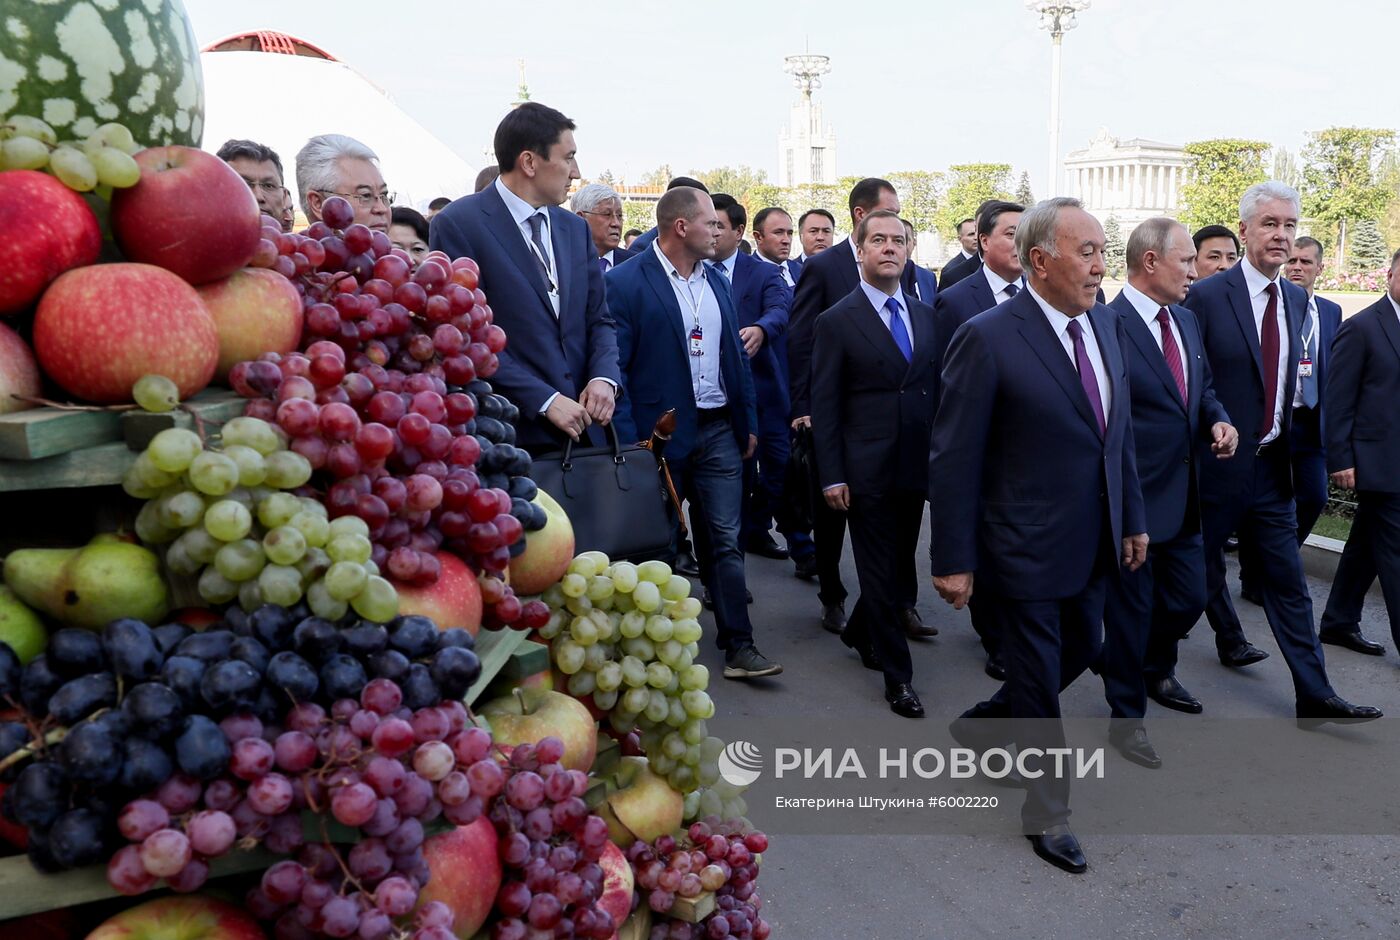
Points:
x=102, y=465
x=529, y=658
x=494, y=648
x=213, y=405
x=26, y=891
x=44, y=432
x=693, y=910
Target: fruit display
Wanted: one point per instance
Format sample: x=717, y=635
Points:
x=102, y=161
x=256, y=311
x=710, y=856
x=49, y=230
x=19, y=372
x=89, y=587
x=150, y=78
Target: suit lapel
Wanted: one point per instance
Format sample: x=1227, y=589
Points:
x=1238, y=295
x=1390, y=325
x=1141, y=335
x=873, y=330
x=850, y=271
x=655, y=276
x=508, y=235
x=1106, y=335
x=923, y=341
x=985, y=298
x=1036, y=331
x=559, y=241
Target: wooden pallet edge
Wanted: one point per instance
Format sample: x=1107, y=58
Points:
x=494, y=648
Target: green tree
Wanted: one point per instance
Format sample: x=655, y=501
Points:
x=1342, y=181
x=607, y=178
x=1115, y=252
x=918, y=192
x=761, y=196
x=1221, y=170
x=1367, y=250
x=657, y=178
x=1023, y=190
x=798, y=199
x=1286, y=168
x=970, y=185
x=734, y=180
x=1390, y=178
x=638, y=214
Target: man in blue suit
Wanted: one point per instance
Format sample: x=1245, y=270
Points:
x=1035, y=493
x=540, y=270
x=1363, y=453
x=966, y=261
x=679, y=345
x=1251, y=320
x=1175, y=419
x=645, y=239
x=918, y=281
x=761, y=300
x=601, y=207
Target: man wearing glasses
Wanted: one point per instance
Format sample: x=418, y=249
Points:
x=337, y=165
x=261, y=169
x=601, y=207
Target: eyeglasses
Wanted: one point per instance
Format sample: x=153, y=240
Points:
x=267, y=186
x=605, y=215
x=365, y=199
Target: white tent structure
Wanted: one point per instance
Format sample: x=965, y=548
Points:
x=245, y=87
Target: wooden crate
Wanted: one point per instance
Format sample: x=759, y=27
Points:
x=214, y=406
x=102, y=465
x=45, y=432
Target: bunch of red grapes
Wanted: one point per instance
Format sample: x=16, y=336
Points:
x=716, y=857
x=389, y=403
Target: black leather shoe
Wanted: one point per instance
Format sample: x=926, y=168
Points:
x=904, y=700
x=805, y=568
x=1246, y=654
x=834, y=618
x=995, y=667
x=1353, y=640
x=1058, y=846
x=709, y=601
x=1170, y=693
x=975, y=735
x=687, y=565
x=914, y=626
x=1335, y=709
x=765, y=547
x=1135, y=747
x=868, y=659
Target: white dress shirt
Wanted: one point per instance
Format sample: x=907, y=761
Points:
x=1147, y=309
x=780, y=265
x=998, y=284
x=1059, y=322
x=728, y=265
x=877, y=299
x=611, y=258
x=698, y=305
x=967, y=255
x=1256, y=283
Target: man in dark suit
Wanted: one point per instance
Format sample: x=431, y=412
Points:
x=761, y=299
x=874, y=390
x=601, y=207
x=996, y=278
x=966, y=260
x=918, y=281
x=645, y=239
x=1217, y=249
x=815, y=228
x=678, y=340
x=1034, y=489
x=540, y=269
x=1363, y=453
x=1175, y=419
x=827, y=278
x=1251, y=320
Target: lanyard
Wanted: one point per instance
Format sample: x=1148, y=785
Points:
x=1310, y=337
x=690, y=297
x=550, y=273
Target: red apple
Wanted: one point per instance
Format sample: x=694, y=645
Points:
x=189, y=917
x=466, y=874
x=191, y=213
x=48, y=229
x=19, y=373
x=616, y=898
x=548, y=551
x=256, y=310
x=98, y=329
x=454, y=600
x=529, y=715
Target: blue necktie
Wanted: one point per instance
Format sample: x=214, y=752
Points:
x=603, y=265
x=1012, y=289
x=897, y=330
x=1309, y=382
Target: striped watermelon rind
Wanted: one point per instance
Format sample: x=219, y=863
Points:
x=82, y=63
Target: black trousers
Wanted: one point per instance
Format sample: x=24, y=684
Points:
x=829, y=534
x=885, y=537
x=1372, y=548
x=1147, y=613
x=1309, y=491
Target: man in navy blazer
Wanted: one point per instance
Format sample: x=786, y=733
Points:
x=540, y=272
x=645, y=239
x=1363, y=453
x=918, y=281
x=1034, y=493
x=1251, y=320
x=678, y=341
x=1176, y=420
x=966, y=261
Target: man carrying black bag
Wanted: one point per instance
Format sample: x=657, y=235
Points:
x=678, y=345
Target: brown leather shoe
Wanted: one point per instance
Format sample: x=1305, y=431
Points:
x=914, y=626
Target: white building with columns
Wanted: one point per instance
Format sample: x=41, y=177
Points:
x=1131, y=180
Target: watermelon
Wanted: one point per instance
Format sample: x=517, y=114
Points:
x=81, y=63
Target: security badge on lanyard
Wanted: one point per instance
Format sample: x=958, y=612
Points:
x=697, y=332
x=1305, y=365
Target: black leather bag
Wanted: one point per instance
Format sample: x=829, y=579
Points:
x=613, y=496
x=800, y=489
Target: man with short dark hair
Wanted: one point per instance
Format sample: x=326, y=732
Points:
x=630, y=236
x=261, y=169
x=1217, y=249
x=918, y=281
x=966, y=260
x=702, y=372
x=815, y=229
x=874, y=391
x=645, y=239
x=485, y=178
x=436, y=206
x=539, y=268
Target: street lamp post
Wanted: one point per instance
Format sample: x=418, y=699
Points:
x=1058, y=17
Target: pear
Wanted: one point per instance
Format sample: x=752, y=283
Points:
x=20, y=627
x=90, y=586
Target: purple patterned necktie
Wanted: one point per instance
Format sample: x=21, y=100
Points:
x=1087, y=377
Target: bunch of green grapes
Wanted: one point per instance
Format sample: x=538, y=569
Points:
x=103, y=158
x=627, y=636
x=225, y=514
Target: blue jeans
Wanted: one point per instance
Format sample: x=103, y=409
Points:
x=711, y=480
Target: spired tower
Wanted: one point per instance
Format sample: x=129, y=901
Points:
x=807, y=146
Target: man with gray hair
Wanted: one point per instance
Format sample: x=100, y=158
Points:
x=601, y=207
x=337, y=165
x=1251, y=321
x=1034, y=492
x=1175, y=418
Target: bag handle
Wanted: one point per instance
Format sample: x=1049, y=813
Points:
x=610, y=429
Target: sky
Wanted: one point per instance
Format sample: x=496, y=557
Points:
x=913, y=85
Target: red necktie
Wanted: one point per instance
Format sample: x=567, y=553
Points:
x=1171, y=353
x=1268, y=353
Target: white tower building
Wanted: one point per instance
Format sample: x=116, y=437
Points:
x=807, y=146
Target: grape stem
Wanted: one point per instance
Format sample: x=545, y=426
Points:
x=32, y=748
x=198, y=421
